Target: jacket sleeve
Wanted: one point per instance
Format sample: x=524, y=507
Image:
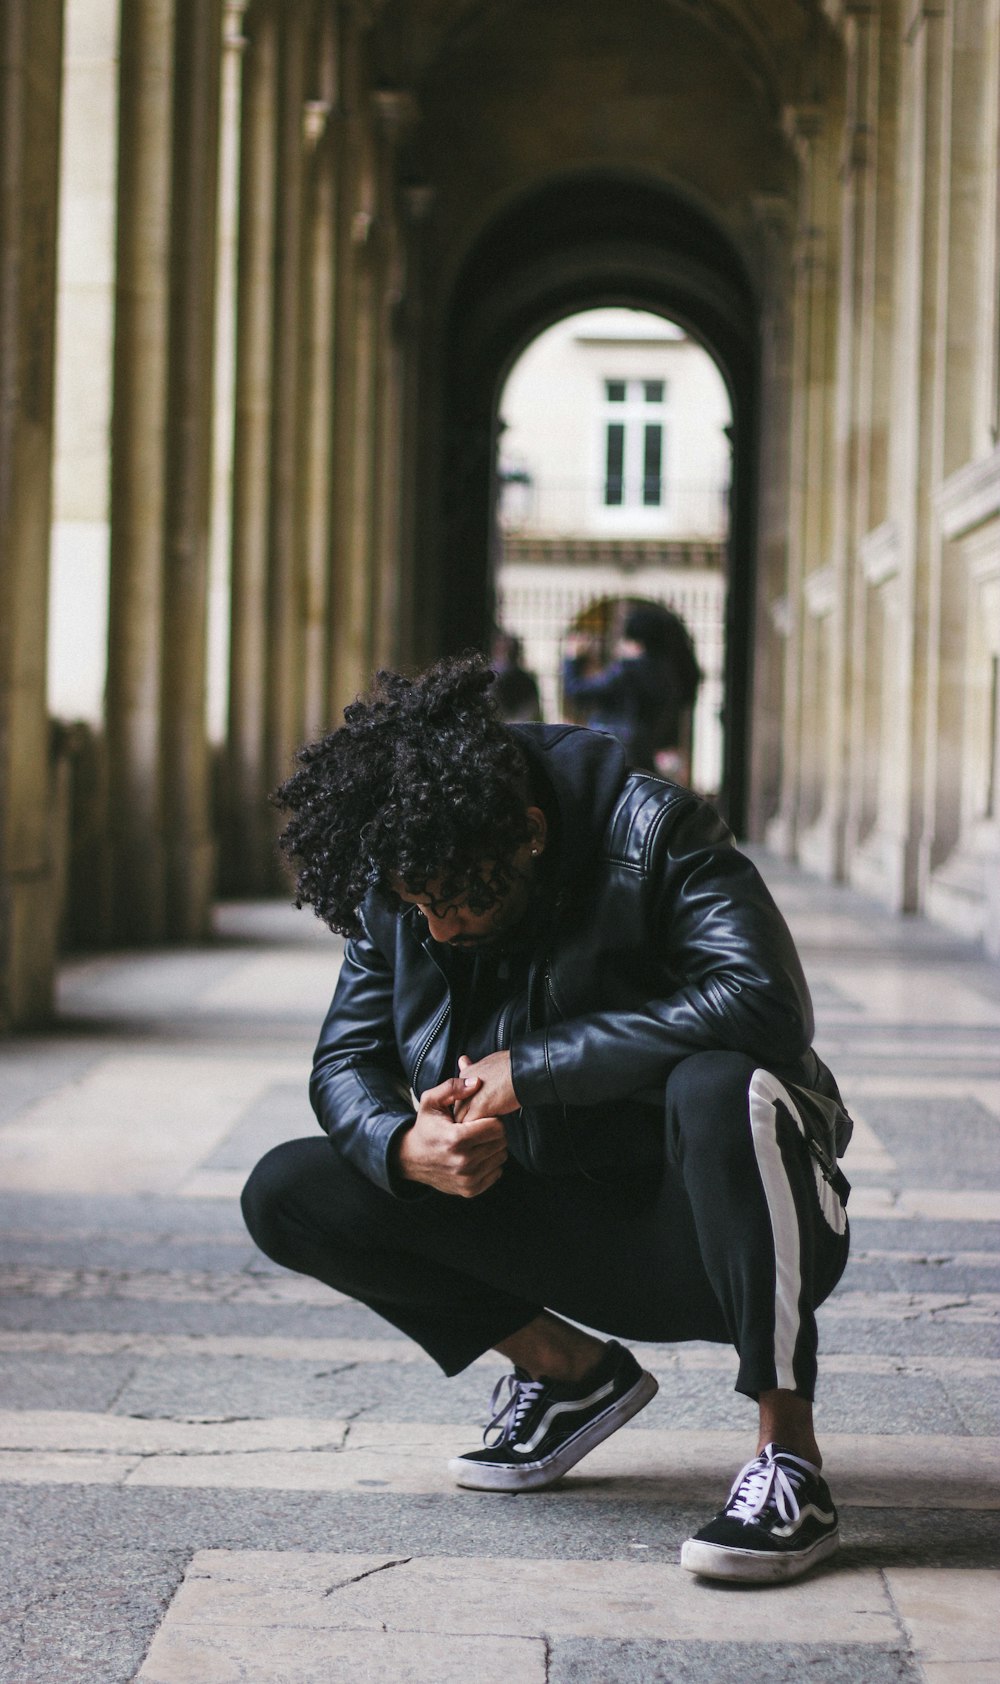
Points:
x=358, y=1089
x=732, y=977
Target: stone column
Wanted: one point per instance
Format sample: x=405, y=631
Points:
x=78, y=632
x=395, y=112
x=876, y=53
x=81, y=512
x=846, y=658
x=138, y=470
x=415, y=642
x=811, y=426
x=30, y=76
x=283, y=707
x=902, y=780
x=774, y=225
x=224, y=378
x=187, y=821
x=245, y=866
x=960, y=589
x=354, y=377
x=321, y=134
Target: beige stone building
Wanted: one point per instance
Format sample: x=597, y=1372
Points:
x=264, y=268
x=614, y=465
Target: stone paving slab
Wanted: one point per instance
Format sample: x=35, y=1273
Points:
x=140, y=1121
x=693, y=1398
x=250, y=1286
x=65, y=1522
x=178, y=1376
x=239, y=1615
x=590, y=1661
x=472, y=1596
x=901, y=1471
x=171, y=1286
x=952, y=1618
x=201, y=1655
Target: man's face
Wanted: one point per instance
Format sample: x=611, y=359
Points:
x=452, y=922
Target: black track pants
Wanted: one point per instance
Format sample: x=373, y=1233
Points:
x=737, y=1241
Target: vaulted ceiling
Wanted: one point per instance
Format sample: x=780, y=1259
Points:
x=689, y=94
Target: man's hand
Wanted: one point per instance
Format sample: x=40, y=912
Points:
x=462, y=1157
x=488, y=1089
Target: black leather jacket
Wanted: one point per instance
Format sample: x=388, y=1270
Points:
x=659, y=940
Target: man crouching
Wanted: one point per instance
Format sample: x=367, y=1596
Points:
x=566, y=1073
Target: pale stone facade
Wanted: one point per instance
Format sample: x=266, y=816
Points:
x=555, y=417
x=573, y=532
x=297, y=251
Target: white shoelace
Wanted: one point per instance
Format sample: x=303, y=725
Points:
x=763, y=1482
x=521, y=1394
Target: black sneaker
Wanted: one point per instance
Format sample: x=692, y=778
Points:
x=542, y=1427
x=778, y=1522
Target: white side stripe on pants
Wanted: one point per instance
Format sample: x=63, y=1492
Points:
x=766, y=1092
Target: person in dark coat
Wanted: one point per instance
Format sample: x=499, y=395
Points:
x=515, y=689
x=642, y=696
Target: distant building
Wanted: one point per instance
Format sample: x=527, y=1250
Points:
x=613, y=485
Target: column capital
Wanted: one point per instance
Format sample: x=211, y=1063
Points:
x=362, y=12
x=802, y=123
x=233, y=14
x=419, y=199
x=920, y=12
x=773, y=212
x=316, y=114
x=811, y=249
x=362, y=228
x=396, y=111
x=838, y=12
x=858, y=148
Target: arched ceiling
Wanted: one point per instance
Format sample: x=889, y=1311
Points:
x=512, y=94
x=777, y=38
x=585, y=151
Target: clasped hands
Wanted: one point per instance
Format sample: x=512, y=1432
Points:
x=457, y=1142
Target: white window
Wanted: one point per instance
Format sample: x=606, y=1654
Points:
x=634, y=444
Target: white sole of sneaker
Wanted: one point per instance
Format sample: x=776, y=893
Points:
x=536, y=1476
x=714, y=1561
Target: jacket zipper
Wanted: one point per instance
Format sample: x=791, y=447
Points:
x=550, y=990
x=503, y=1026
x=425, y=1045
x=570, y=1143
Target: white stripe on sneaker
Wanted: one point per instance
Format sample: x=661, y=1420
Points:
x=525, y=1449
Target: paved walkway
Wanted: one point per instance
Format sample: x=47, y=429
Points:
x=215, y=1471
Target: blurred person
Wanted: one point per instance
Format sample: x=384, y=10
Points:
x=566, y=1078
x=645, y=695
x=515, y=690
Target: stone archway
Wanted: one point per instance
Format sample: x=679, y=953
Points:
x=576, y=243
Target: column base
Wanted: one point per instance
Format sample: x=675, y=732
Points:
x=30, y=912
x=964, y=894
x=189, y=869
x=820, y=850
x=880, y=868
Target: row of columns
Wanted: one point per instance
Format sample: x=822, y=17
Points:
x=263, y=267
x=894, y=321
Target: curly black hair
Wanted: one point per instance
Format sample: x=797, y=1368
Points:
x=422, y=783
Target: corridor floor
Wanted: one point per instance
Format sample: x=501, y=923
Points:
x=215, y=1471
